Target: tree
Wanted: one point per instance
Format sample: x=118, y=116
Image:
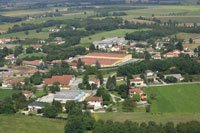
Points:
x=100, y=77
x=70, y=105
x=147, y=55
x=26, y=32
x=148, y=108
x=98, y=65
x=92, y=47
x=85, y=78
x=171, y=79
x=57, y=105
x=128, y=105
x=54, y=88
x=169, y=127
x=179, y=46
x=190, y=40
x=136, y=97
x=50, y=111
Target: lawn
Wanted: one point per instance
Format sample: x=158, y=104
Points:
x=7, y=93
x=25, y=124
x=39, y=93
x=177, y=98
x=145, y=117
x=108, y=34
x=33, y=54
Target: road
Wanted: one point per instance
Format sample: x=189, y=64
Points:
x=114, y=96
x=74, y=85
x=184, y=83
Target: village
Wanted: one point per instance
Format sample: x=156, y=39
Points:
x=103, y=55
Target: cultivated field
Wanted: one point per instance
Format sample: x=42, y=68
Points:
x=25, y=124
x=7, y=93
x=177, y=98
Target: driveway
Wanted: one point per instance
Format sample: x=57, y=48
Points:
x=74, y=85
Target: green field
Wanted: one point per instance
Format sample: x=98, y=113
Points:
x=109, y=34
x=7, y=93
x=25, y=124
x=177, y=98
x=145, y=117
x=33, y=54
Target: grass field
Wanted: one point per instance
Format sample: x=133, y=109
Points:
x=108, y=34
x=177, y=98
x=33, y=54
x=25, y=124
x=145, y=117
x=7, y=93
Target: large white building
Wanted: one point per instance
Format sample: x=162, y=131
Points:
x=109, y=43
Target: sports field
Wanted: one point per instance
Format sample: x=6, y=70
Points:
x=177, y=98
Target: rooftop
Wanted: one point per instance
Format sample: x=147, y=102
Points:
x=65, y=79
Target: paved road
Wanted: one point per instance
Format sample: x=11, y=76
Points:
x=74, y=85
x=114, y=96
x=184, y=83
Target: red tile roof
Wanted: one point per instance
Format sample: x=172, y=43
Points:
x=27, y=92
x=55, y=62
x=15, y=81
x=64, y=80
x=33, y=63
x=100, y=99
x=137, y=90
x=107, y=55
x=95, y=80
x=72, y=63
x=36, y=46
x=92, y=61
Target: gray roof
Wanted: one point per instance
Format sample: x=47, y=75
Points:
x=36, y=104
x=110, y=41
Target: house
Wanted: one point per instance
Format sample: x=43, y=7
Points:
x=115, y=48
x=119, y=78
x=37, y=47
x=35, y=106
x=137, y=81
x=135, y=91
x=51, y=63
x=73, y=65
x=68, y=95
x=150, y=75
x=94, y=81
x=177, y=76
x=174, y=53
x=64, y=80
x=13, y=82
x=96, y=102
x=34, y=63
x=150, y=50
x=11, y=58
x=156, y=57
x=28, y=94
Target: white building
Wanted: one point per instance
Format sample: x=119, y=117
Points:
x=95, y=102
x=35, y=106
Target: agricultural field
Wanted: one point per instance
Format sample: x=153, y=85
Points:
x=145, y=117
x=26, y=124
x=109, y=34
x=177, y=98
x=7, y=93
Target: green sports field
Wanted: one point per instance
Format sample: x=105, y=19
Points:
x=177, y=98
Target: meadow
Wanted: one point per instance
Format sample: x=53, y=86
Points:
x=177, y=98
x=109, y=34
x=7, y=93
x=27, y=124
x=146, y=117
